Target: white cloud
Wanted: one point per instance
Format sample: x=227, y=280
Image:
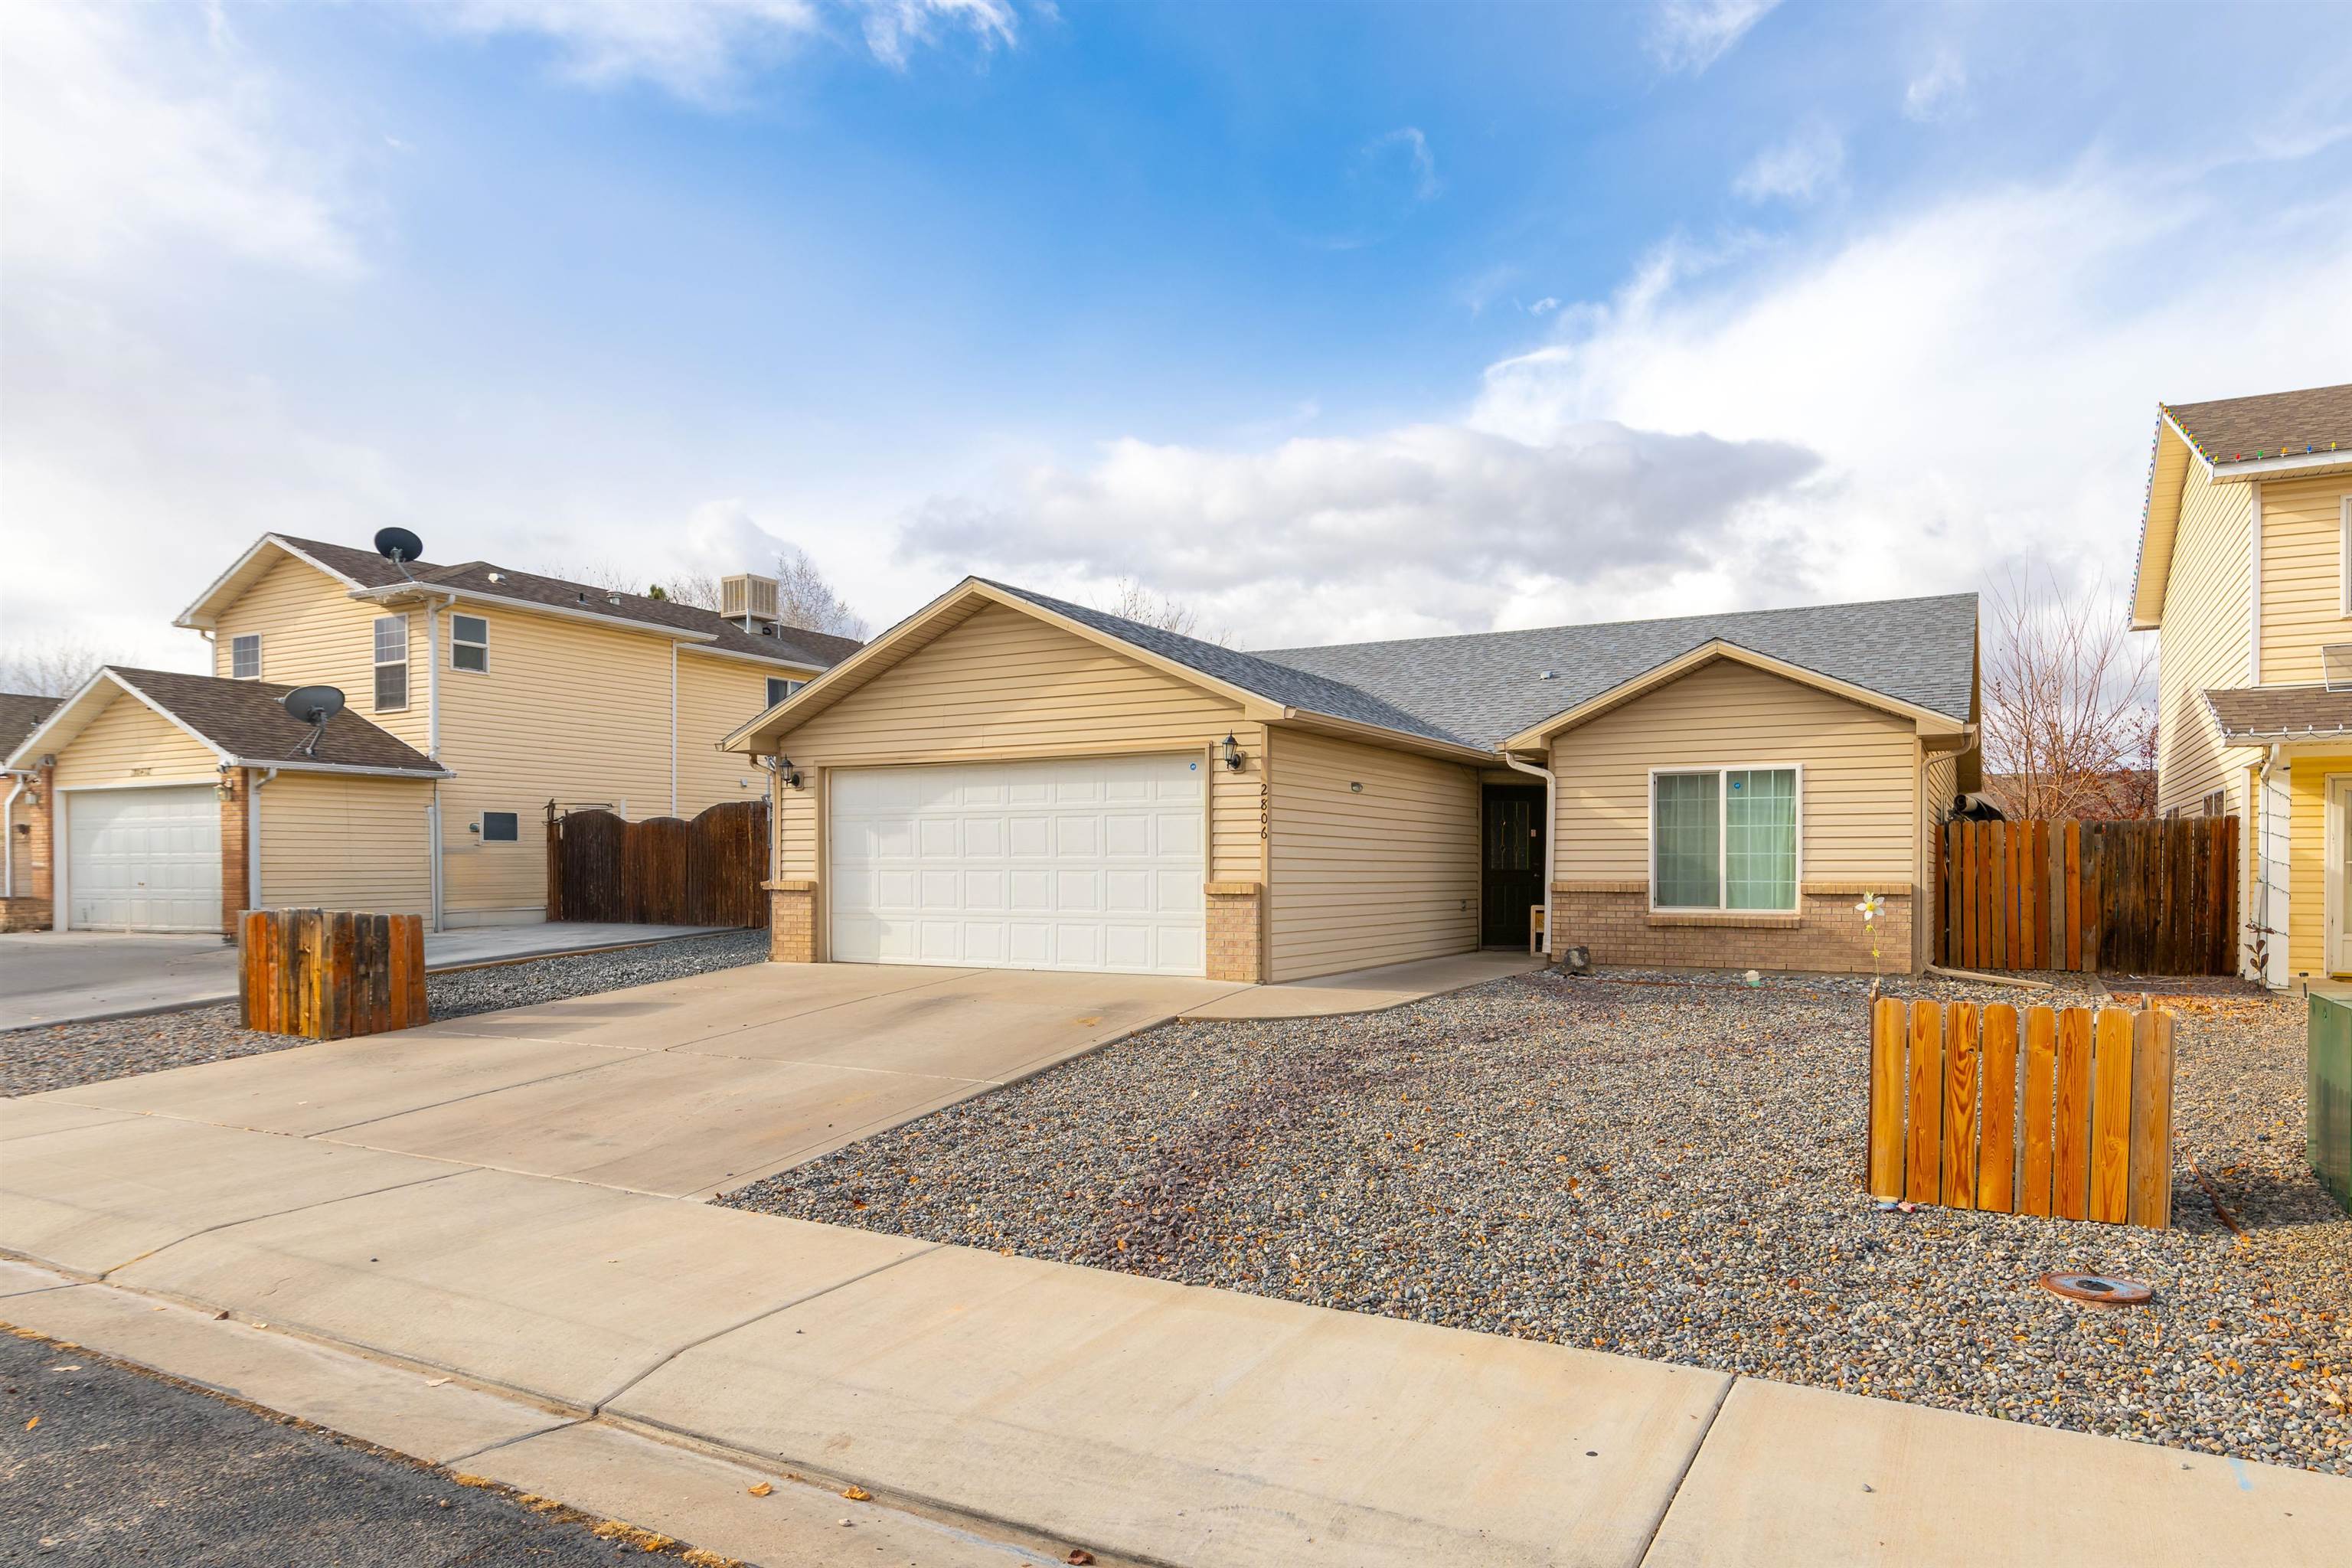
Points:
x=703, y=50
x=1426, y=528
x=1980, y=375
x=1938, y=91
x=1691, y=35
x=1807, y=165
x=1405, y=143
x=1543, y=307
x=131, y=134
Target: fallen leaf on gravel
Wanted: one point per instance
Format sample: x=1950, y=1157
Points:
x=36, y=1421
x=1080, y=1554
x=763, y=1490
x=857, y=1494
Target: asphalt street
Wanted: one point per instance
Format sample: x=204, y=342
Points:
x=103, y=1463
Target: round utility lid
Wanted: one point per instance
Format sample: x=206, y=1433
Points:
x=2106, y=1289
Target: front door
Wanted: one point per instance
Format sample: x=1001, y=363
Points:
x=1512, y=878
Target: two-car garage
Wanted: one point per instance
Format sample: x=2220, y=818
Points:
x=1085, y=863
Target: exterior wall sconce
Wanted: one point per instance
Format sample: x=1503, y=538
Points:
x=792, y=775
x=227, y=788
x=1233, y=752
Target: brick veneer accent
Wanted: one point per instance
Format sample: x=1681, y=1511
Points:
x=235, y=812
x=791, y=920
x=1236, y=950
x=1825, y=934
x=30, y=908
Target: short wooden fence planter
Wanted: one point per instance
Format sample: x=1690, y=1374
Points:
x=330, y=975
x=2077, y=1124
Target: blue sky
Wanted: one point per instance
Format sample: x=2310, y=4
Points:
x=1334, y=321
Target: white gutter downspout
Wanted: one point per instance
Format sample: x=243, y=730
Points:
x=432, y=742
x=253, y=836
x=8, y=837
x=1551, y=839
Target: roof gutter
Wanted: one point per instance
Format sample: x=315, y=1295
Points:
x=353, y=769
x=390, y=591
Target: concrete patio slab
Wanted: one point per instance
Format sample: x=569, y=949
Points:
x=708, y=1501
x=75, y=976
x=401, y=1410
x=560, y=1291
x=33, y=1117
x=1366, y=990
x=337, y=1083
x=1888, y=1483
x=1186, y=1425
x=91, y=1199
x=670, y=1124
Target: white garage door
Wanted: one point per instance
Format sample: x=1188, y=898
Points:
x=144, y=859
x=1061, y=865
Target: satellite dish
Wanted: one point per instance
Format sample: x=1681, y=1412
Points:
x=313, y=705
x=397, y=545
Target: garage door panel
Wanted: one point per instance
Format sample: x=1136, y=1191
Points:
x=144, y=859
x=1093, y=864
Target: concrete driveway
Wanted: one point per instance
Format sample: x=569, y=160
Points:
x=682, y=1088
x=73, y=976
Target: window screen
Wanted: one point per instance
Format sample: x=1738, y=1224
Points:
x=500, y=827
x=469, y=642
x=244, y=656
x=1760, y=838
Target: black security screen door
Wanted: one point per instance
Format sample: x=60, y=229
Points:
x=1512, y=879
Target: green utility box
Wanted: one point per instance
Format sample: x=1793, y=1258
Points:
x=2327, y=1096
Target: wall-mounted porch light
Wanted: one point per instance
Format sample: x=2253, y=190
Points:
x=227, y=788
x=791, y=775
x=1233, y=752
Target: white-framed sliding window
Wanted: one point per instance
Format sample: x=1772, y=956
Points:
x=391, y=663
x=1726, y=840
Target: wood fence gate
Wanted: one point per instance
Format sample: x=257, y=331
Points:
x=662, y=870
x=2140, y=898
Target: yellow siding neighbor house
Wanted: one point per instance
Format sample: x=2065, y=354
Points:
x=2242, y=575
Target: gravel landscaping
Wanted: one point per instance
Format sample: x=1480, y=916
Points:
x=60, y=1056
x=1670, y=1167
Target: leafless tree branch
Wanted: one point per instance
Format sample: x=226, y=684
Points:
x=2067, y=727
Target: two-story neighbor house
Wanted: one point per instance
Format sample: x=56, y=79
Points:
x=2245, y=575
x=475, y=695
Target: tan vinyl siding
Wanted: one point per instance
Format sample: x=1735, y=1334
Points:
x=128, y=743
x=567, y=711
x=1860, y=808
x=2302, y=584
x=715, y=696
x=2204, y=642
x=2309, y=893
x=312, y=635
x=343, y=843
x=1383, y=875
x=1004, y=684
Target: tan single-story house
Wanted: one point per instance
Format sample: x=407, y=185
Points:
x=1009, y=779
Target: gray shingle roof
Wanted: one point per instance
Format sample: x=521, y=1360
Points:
x=1480, y=688
x=247, y=718
x=20, y=715
x=794, y=645
x=2277, y=712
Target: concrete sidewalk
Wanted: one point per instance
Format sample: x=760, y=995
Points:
x=1366, y=990
x=1140, y=1419
x=80, y=976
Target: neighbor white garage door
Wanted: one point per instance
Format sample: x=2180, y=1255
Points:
x=144, y=859
x=1061, y=865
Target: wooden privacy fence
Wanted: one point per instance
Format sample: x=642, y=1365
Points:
x=330, y=975
x=2140, y=898
x=2077, y=1124
x=662, y=870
